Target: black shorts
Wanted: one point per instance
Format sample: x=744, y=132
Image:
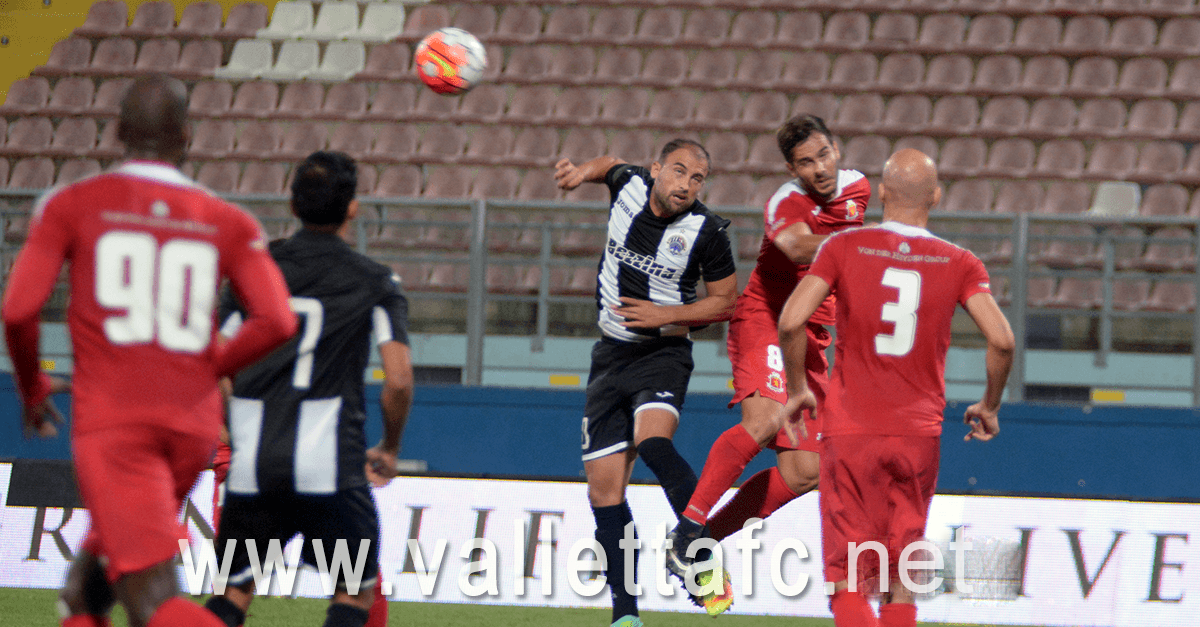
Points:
x=347, y=514
x=626, y=378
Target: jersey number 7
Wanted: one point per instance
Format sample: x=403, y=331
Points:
x=314, y=318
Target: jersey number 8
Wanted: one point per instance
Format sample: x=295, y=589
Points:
x=167, y=292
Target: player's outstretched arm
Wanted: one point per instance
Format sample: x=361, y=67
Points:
x=984, y=415
x=568, y=176
x=793, y=342
x=799, y=243
x=717, y=306
x=395, y=401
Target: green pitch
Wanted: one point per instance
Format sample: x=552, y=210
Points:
x=35, y=608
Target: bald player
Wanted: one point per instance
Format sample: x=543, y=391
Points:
x=148, y=249
x=897, y=287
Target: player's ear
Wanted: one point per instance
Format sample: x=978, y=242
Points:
x=937, y=196
x=655, y=168
x=352, y=210
x=883, y=195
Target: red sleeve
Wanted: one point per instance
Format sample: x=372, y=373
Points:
x=793, y=208
x=975, y=278
x=260, y=287
x=825, y=264
x=29, y=285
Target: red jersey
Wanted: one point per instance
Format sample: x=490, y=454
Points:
x=897, y=287
x=148, y=249
x=775, y=276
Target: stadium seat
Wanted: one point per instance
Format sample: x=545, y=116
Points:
x=342, y=60
x=212, y=139
x=805, y=71
x=900, y=73
x=245, y=20
x=114, y=57
x=1159, y=161
x=1172, y=296
x=297, y=60
x=74, y=137
x=300, y=100
x=199, y=20
x=1101, y=118
x=477, y=19
x=537, y=185
x=1132, y=36
x=424, y=19
x=75, y=170
x=846, y=31
x=866, y=153
x=1018, y=196
x=1037, y=34
x=581, y=144
x=954, y=115
x=711, y=69
x=962, y=157
x=529, y=64
x=1168, y=250
x=67, y=56
x=440, y=143
x=381, y=22
x=367, y=177
x=159, y=56
x=352, y=139
x=152, y=19
x=728, y=150
x=199, y=59
x=262, y=178
x=1112, y=160
x=968, y=196
x=491, y=146
x=1076, y=293
x=291, y=19
x=1040, y=290
x=301, y=140
x=859, y=113
x=1073, y=246
x=567, y=24
x=32, y=173
x=336, y=20
x=1011, y=158
x=1045, y=76
x=1093, y=77
x=1179, y=37
x=893, y=31
x=664, y=68
x=1066, y=197
x=1142, y=78
x=660, y=26
x=926, y=145
x=256, y=99
x=764, y=157
x=618, y=66
x=853, y=72
x=1128, y=246
x=519, y=24
x=483, y=104
x=670, y=109
x=345, y=101
x=764, y=189
x=706, y=28
x=760, y=71
x=988, y=34
x=106, y=18
x=398, y=181
x=387, y=62
x=535, y=147
x=72, y=96
x=219, y=176
x=250, y=59
x=730, y=190
x=1005, y=115
x=109, y=146
x=718, y=109
x=29, y=136
x=997, y=74
x=574, y=68
x=1164, y=200
x=446, y=277
x=1185, y=80
x=1116, y=198
x=3, y=172
x=530, y=105
x=753, y=29
x=258, y=140
x=29, y=95
x=763, y=111
x=908, y=113
x=582, y=241
x=634, y=146
x=1060, y=159
x=1085, y=35
x=614, y=25
x=209, y=98
x=824, y=106
x=577, y=107
x=942, y=32
x=1130, y=294
x=1050, y=118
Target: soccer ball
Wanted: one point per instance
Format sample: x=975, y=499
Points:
x=450, y=61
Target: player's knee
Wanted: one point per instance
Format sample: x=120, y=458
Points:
x=86, y=590
x=800, y=478
x=143, y=592
x=605, y=496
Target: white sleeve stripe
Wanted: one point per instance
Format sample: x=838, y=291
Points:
x=232, y=324
x=382, y=325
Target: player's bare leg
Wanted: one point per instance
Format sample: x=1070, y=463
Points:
x=607, y=478
x=150, y=598
x=86, y=598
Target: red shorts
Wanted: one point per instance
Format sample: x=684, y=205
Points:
x=874, y=489
x=753, y=346
x=133, y=480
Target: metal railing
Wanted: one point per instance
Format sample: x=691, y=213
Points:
x=470, y=218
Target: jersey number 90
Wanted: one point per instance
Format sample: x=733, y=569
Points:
x=167, y=293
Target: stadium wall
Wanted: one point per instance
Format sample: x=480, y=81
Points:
x=1112, y=452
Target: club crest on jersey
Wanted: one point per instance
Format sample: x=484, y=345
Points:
x=775, y=383
x=676, y=244
x=852, y=210
x=905, y=248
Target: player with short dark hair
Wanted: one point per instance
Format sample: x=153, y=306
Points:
x=661, y=242
x=820, y=200
x=148, y=248
x=898, y=286
x=300, y=464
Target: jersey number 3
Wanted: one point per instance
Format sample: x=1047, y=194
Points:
x=902, y=313
x=167, y=292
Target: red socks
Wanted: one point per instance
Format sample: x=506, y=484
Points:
x=726, y=461
x=86, y=620
x=379, y=609
x=898, y=615
x=179, y=612
x=851, y=609
x=758, y=497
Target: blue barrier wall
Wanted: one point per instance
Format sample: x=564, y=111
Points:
x=1055, y=449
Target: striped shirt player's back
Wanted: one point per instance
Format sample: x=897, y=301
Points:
x=653, y=258
x=297, y=416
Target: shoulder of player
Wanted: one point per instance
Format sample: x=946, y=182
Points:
x=852, y=183
x=65, y=193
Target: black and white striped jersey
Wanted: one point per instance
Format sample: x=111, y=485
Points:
x=653, y=258
x=296, y=418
